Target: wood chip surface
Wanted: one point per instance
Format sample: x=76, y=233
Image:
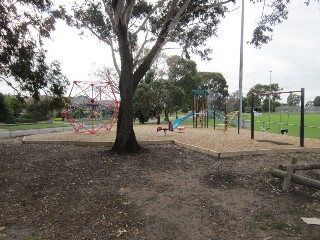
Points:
x=209, y=138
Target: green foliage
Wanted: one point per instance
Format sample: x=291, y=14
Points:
x=150, y=76
x=144, y=102
x=4, y=110
x=216, y=82
x=38, y=111
x=260, y=99
x=15, y=104
x=21, y=55
x=78, y=113
x=183, y=73
x=293, y=100
x=174, y=97
x=316, y=101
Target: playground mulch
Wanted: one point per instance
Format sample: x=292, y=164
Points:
x=215, y=140
x=169, y=192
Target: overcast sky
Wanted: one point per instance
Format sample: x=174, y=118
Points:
x=293, y=56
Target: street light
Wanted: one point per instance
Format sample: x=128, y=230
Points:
x=241, y=70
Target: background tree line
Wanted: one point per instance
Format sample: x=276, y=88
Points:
x=13, y=109
x=169, y=93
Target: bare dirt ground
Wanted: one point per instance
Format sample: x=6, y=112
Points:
x=165, y=192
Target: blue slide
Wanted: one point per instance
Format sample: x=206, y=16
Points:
x=177, y=122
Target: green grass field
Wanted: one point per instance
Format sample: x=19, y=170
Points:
x=291, y=121
x=277, y=122
x=25, y=126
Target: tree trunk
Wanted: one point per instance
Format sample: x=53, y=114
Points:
x=158, y=118
x=126, y=141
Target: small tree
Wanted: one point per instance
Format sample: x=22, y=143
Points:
x=215, y=81
x=260, y=99
x=37, y=111
x=143, y=103
x=293, y=99
x=15, y=104
x=174, y=98
x=184, y=74
x=316, y=101
x=4, y=110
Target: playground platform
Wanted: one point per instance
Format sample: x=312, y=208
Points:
x=214, y=142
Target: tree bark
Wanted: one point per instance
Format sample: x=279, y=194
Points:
x=126, y=141
x=158, y=118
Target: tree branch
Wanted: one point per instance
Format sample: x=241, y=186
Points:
x=171, y=21
x=107, y=41
x=9, y=84
x=205, y=7
x=126, y=14
x=109, y=11
x=117, y=6
x=136, y=59
x=114, y=58
x=179, y=15
x=148, y=17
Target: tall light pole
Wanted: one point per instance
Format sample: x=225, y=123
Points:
x=241, y=69
x=270, y=97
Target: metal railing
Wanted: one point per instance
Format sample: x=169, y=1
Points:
x=10, y=130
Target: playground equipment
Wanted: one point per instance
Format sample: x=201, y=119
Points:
x=200, y=104
x=177, y=122
x=93, y=106
x=227, y=119
x=282, y=131
x=231, y=107
x=170, y=128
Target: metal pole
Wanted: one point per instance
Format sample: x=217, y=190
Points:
x=302, y=119
x=270, y=98
x=252, y=116
x=241, y=68
x=193, y=109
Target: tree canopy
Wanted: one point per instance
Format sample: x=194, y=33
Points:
x=293, y=99
x=316, y=101
x=23, y=64
x=263, y=100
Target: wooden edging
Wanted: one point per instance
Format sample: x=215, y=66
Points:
x=198, y=149
x=79, y=143
x=185, y=145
